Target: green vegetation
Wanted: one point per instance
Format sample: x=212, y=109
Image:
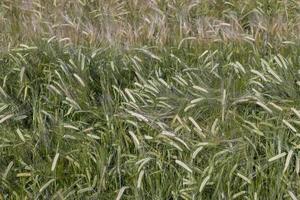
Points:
x=111, y=99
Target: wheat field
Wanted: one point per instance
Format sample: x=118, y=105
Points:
x=150, y=99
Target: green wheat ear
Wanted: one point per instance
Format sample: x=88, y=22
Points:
x=113, y=99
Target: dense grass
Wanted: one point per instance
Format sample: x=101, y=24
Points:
x=198, y=104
